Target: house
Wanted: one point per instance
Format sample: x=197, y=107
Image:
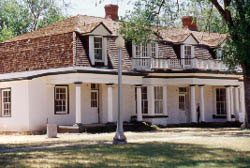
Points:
x=66, y=74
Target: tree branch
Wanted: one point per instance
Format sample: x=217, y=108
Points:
x=224, y=13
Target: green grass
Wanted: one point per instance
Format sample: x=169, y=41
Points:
x=184, y=148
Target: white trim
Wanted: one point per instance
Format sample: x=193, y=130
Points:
x=91, y=50
x=17, y=75
x=104, y=51
x=97, y=98
x=66, y=100
x=2, y=103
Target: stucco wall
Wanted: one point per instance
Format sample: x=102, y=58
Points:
x=19, y=120
x=33, y=104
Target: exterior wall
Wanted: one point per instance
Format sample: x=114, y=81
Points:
x=33, y=103
x=35, y=54
x=19, y=120
x=41, y=98
x=128, y=99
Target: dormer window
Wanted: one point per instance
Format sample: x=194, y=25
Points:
x=145, y=51
x=218, y=54
x=187, y=53
x=98, y=50
x=98, y=53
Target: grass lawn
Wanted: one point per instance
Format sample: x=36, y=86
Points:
x=171, y=147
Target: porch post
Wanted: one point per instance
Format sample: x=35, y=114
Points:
x=110, y=102
x=165, y=107
x=151, y=100
x=78, y=103
x=236, y=99
x=232, y=100
x=139, y=105
x=193, y=108
x=242, y=104
x=202, y=109
x=228, y=103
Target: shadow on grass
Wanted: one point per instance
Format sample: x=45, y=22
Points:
x=135, y=155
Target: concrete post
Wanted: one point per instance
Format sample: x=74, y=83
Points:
x=202, y=109
x=139, y=105
x=192, y=104
x=237, y=106
x=78, y=103
x=110, y=103
x=228, y=103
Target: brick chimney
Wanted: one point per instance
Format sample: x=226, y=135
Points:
x=189, y=22
x=111, y=11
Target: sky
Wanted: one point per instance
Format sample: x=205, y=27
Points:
x=96, y=7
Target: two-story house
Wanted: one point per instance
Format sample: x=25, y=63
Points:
x=66, y=74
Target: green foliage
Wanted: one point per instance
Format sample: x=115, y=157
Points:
x=22, y=16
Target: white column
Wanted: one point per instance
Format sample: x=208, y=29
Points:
x=242, y=102
x=165, y=100
x=78, y=103
x=139, y=105
x=228, y=103
x=151, y=100
x=192, y=103
x=202, y=109
x=110, y=103
x=236, y=100
x=232, y=100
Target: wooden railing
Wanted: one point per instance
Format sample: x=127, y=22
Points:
x=179, y=64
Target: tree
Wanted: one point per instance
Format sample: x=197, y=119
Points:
x=22, y=16
x=233, y=16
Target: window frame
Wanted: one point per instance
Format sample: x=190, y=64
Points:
x=2, y=103
x=140, y=50
x=225, y=102
x=94, y=89
x=158, y=99
x=182, y=92
x=98, y=60
x=144, y=102
x=66, y=101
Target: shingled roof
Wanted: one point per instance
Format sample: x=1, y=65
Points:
x=85, y=24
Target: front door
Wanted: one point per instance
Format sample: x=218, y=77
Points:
x=183, y=106
x=94, y=104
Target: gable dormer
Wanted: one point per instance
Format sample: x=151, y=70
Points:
x=98, y=45
x=187, y=50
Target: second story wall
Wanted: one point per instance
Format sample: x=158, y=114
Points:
x=35, y=54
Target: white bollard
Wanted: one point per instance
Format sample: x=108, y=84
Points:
x=51, y=130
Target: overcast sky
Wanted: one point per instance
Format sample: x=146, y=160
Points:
x=96, y=7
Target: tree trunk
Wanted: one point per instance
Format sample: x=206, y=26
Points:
x=246, y=71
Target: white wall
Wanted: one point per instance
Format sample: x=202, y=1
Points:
x=33, y=104
x=41, y=96
x=19, y=120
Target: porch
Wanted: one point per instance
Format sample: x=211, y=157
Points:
x=161, y=101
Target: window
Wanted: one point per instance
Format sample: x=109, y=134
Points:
x=182, y=102
x=146, y=51
x=218, y=54
x=6, y=102
x=94, y=95
x=182, y=95
x=144, y=100
x=98, y=49
x=187, y=54
x=221, y=101
x=61, y=99
x=158, y=99
x=153, y=50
